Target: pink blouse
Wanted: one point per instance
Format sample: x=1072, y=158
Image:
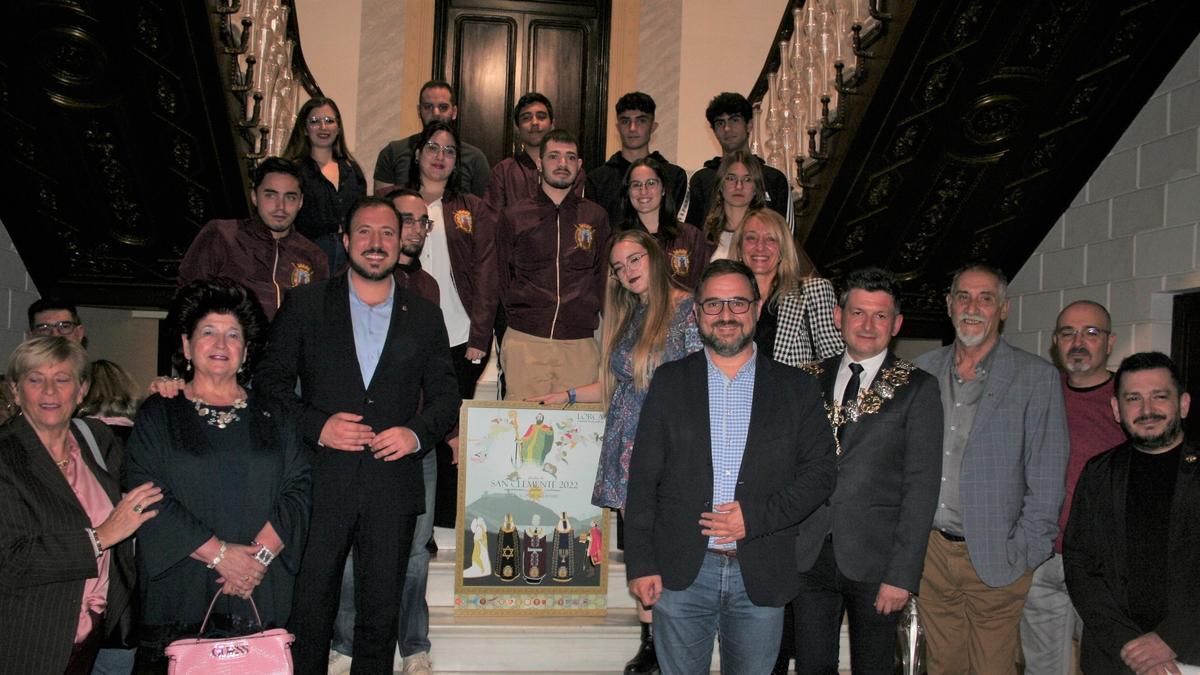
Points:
x=97, y=505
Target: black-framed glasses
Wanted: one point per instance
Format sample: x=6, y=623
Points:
x=1087, y=332
x=424, y=223
x=736, y=305
x=444, y=150
x=56, y=328
x=322, y=121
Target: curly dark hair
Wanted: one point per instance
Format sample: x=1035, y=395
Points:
x=218, y=295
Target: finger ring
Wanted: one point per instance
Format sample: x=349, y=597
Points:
x=137, y=508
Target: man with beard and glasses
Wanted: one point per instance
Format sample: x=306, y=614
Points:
x=264, y=252
x=715, y=495
x=550, y=250
x=377, y=392
x=414, y=228
x=1004, y=457
x=1132, y=548
x=1082, y=342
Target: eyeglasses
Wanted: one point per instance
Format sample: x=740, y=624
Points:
x=732, y=179
x=632, y=261
x=423, y=222
x=56, y=328
x=444, y=150
x=322, y=121
x=1088, y=333
x=649, y=184
x=735, y=305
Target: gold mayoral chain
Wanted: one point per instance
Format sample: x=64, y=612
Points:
x=870, y=401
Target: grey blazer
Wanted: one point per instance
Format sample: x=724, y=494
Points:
x=887, y=485
x=1014, y=466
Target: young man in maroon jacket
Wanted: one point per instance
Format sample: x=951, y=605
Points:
x=550, y=249
x=264, y=252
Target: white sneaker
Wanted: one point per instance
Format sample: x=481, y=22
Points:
x=339, y=663
x=418, y=664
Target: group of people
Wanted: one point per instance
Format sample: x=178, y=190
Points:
x=776, y=465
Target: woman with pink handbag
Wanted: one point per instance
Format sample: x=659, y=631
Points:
x=235, y=483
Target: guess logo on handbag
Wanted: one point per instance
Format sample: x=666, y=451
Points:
x=229, y=651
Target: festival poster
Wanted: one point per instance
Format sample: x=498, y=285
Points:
x=530, y=543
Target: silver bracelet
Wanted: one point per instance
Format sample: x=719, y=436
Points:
x=97, y=547
x=217, y=560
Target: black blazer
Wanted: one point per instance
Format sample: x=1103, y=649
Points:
x=1094, y=561
x=787, y=471
x=414, y=386
x=887, y=487
x=45, y=555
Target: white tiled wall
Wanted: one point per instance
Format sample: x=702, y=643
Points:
x=1129, y=239
x=17, y=292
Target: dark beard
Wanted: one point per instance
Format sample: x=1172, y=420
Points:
x=725, y=348
x=1170, y=436
x=368, y=274
x=412, y=250
x=560, y=184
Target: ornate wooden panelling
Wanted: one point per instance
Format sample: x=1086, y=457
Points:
x=985, y=122
x=119, y=146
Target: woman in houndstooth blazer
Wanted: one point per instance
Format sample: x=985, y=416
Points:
x=795, y=324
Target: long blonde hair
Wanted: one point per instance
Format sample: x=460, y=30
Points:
x=794, y=264
x=620, y=304
x=714, y=221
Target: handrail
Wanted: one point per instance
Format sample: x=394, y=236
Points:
x=807, y=86
x=266, y=74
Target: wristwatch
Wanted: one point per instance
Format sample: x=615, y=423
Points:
x=264, y=555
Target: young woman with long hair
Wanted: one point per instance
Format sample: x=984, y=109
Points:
x=649, y=207
x=332, y=179
x=740, y=190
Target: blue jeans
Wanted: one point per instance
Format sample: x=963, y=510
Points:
x=114, y=662
x=685, y=623
x=414, y=612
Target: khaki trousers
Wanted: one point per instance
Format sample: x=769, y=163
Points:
x=535, y=366
x=970, y=627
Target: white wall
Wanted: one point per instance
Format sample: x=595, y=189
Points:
x=723, y=49
x=17, y=292
x=330, y=37
x=1129, y=239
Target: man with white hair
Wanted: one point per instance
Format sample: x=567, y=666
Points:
x=1004, y=456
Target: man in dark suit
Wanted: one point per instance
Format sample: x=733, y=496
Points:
x=378, y=390
x=1132, y=548
x=715, y=495
x=862, y=551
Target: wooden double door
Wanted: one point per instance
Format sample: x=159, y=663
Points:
x=494, y=51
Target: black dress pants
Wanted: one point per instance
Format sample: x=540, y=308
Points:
x=824, y=595
x=381, y=539
x=447, y=481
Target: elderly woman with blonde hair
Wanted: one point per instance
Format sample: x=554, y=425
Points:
x=66, y=567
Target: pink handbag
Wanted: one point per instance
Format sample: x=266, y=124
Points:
x=267, y=652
